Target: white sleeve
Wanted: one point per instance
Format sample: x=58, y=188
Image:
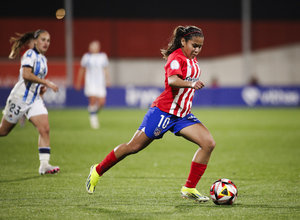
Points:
x=105, y=64
x=83, y=61
x=28, y=58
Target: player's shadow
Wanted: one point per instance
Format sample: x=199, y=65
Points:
x=19, y=179
x=265, y=206
x=235, y=205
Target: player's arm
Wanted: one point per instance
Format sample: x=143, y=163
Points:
x=177, y=82
x=29, y=76
x=81, y=73
x=107, y=77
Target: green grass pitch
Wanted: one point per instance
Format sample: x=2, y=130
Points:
x=258, y=149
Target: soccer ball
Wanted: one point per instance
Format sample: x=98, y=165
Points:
x=223, y=192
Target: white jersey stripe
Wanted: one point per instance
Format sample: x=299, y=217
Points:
x=189, y=68
x=174, y=103
x=198, y=70
x=188, y=103
x=182, y=103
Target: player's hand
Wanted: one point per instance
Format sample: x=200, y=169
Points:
x=198, y=85
x=52, y=86
x=43, y=90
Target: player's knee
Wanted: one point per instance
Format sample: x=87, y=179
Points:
x=133, y=149
x=3, y=133
x=212, y=145
x=209, y=145
x=44, y=130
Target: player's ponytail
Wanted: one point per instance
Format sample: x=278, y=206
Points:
x=19, y=42
x=180, y=32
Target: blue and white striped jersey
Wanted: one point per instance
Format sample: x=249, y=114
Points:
x=94, y=63
x=25, y=90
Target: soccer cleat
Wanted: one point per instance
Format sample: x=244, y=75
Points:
x=44, y=169
x=92, y=180
x=192, y=193
x=94, y=122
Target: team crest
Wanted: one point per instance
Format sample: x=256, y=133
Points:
x=157, y=131
x=174, y=65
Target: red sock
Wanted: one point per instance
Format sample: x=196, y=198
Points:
x=109, y=161
x=196, y=172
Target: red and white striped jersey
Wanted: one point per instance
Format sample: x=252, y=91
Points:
x=178, y=101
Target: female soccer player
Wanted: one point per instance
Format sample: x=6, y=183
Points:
x=171, y=111
x=94, y=65
x=30, y=45
x=25, y=97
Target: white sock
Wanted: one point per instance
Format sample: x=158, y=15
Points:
x=44, y=155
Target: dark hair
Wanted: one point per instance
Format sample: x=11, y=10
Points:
x=181, y=32
x=21, y=40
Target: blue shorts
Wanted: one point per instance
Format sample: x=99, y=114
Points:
x=156, y=123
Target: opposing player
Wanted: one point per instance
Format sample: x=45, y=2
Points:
x=94, y=66
x=25, y=97
x=171, y=111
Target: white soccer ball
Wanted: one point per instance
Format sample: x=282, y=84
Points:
x=223, y=192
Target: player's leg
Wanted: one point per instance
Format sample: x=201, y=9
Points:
x=138, y=142
x=5, y=127
x=101, y=97
x=101, y=102
x=200, y=135
x=38, y=116
x=12, y=113
x=93, y=110
x=94, y=119
x=41, y=123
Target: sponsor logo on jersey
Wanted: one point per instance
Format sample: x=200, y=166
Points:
x=190, y=79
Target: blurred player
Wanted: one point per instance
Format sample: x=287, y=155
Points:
x=94, y=65
x=171, y=111
x=25, y=97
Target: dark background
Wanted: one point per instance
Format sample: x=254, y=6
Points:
x=156, y=9
x=139, y=28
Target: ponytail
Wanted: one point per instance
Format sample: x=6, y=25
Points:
x=181, y=32
x=19, y=42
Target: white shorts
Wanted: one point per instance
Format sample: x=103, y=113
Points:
x=16, y=108
x=95, y=91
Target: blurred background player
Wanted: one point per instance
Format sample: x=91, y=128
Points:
x=94, y=66
x=25, y=98
x=171, y=111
